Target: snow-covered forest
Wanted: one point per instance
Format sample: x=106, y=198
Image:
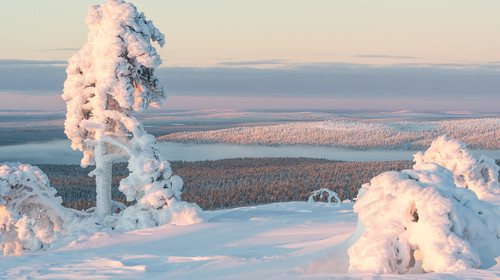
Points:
x=234, y=183
x=482, y=133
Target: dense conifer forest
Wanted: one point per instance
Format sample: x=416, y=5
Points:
x=480, y=133
x=232, y=183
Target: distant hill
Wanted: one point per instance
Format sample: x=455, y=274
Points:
x=478, y=133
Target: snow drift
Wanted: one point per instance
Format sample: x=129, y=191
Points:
x=419, y=220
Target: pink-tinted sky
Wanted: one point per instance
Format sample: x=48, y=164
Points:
x=280, y=53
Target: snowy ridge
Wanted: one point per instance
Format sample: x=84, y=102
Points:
x=481, y=133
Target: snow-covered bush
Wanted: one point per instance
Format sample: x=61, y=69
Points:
x=331, y=194
x=30, y=213
x=156, y=190
x=480, y=176
x=109, y=78
x=418, y=220
x=173, y=212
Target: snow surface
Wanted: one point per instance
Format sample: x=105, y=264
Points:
x=294, y=240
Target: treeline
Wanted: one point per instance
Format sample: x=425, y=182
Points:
x=481, y=133
x=234, y=182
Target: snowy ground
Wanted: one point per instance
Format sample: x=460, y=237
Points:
x=294, y=240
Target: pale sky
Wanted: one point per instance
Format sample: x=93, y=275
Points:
x=205, y=33
x=352, y=49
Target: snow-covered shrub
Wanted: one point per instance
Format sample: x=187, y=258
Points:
x=173, y=212
x=156, y=190
x=30, y=213
x=419, y=220
x=331, y=194
x=480, y=176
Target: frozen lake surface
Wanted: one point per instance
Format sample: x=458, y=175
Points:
x=59, y=152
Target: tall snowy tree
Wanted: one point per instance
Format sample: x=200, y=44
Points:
x=112, y=75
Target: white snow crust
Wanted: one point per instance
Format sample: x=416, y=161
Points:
x=294, y=240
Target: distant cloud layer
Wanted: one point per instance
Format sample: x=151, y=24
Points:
x=61, y=49
x=22, y=62
x=386, y=56
x=335, y=80
x=402, y=83
x=253, y=63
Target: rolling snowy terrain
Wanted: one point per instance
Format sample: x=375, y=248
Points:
x=294, y=240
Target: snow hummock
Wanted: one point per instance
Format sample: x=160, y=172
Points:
x=419, y=220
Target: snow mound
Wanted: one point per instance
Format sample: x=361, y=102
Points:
x=480, y=176
x=179, y=213
x=30, y=213
x=418, y=221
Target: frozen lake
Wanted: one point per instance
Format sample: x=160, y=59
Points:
x=59, y=152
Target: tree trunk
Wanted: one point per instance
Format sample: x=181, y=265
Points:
x=102, y=172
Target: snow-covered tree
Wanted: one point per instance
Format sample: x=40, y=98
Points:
x=30, y=213
x=480, y=176
x=419, y=220
x=112, y=75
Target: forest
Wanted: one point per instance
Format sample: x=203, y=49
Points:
x=479, y=133
x=233, y=183
x=230, y=183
